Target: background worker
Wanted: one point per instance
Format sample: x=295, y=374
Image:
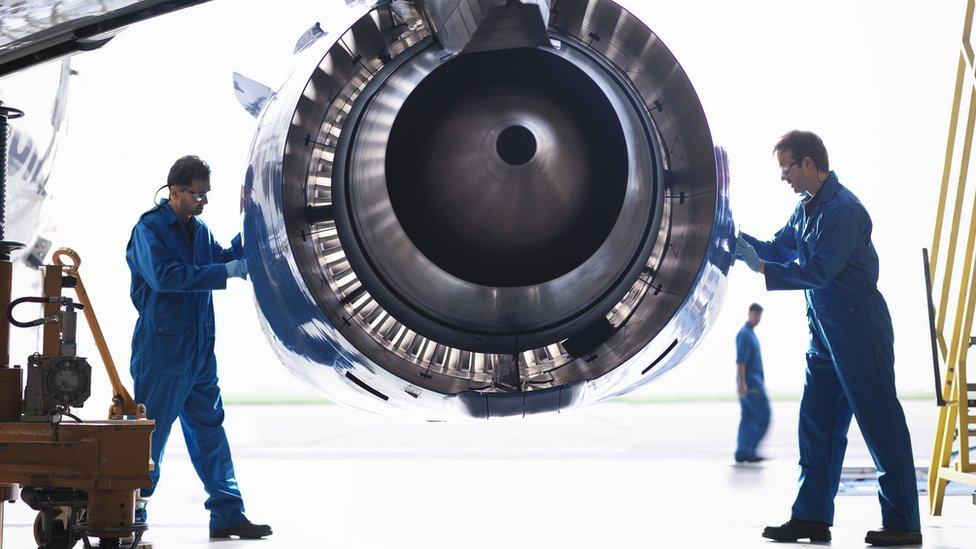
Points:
x=176, y=264
x=754, y=420
x=825, y=250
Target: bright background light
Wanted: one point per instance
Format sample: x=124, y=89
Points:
x=872, y=78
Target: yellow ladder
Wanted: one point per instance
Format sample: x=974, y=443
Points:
x=952, y=278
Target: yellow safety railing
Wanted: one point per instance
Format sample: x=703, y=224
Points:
x=951, y=281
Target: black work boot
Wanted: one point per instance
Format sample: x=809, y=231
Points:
x=797, y=529
x=244, y=530
x=886, y=537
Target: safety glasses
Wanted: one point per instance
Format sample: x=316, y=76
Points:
x=198, y=197
x=786, y=171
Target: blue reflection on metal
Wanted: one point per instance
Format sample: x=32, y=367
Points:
x=703, y=305
x=317, y=353
x=698, y=312
x=305, y=341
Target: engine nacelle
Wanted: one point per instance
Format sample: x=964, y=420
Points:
x=518, y=214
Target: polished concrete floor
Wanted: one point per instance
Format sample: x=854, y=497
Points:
x=612, y=475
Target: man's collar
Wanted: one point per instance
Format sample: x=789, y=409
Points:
x=829, y=187
x=827, y=190
x=169, y=215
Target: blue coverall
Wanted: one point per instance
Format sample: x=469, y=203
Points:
x=754, y=420
x=173, y=364
x=827, y=252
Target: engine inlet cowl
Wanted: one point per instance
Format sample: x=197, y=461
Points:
x=521, y=217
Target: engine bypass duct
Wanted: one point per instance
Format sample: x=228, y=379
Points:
x=485, y=208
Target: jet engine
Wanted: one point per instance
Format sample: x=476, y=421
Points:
x=485, y=208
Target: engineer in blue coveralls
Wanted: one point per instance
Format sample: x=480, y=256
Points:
x=825, y=250
x=754, y=420
x=175, y=265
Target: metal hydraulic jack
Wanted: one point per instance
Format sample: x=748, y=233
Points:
x=81, y=476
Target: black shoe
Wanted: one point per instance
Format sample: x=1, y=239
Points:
x=796, y=529
x=244, y=530
x=749, y=459
x=887, y=537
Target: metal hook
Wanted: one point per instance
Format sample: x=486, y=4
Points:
x=70, y=268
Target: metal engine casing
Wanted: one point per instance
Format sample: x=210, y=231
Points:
x=383, y=316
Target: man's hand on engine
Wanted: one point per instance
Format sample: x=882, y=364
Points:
x=236, y=268
x=745, y=252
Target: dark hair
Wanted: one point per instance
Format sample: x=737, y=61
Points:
x=186, y=170
x=755, y=308
x=803, y=144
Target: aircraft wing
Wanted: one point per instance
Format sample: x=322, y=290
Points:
x=33, y=31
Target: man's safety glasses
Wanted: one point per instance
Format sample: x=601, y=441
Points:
x=198, y=197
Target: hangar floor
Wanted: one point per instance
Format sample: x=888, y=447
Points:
x=614, y=475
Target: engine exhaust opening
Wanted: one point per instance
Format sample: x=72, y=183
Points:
x=516, y=145
x=507, y=168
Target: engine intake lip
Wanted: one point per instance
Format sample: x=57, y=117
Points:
x=321, y=318
x=465, y=307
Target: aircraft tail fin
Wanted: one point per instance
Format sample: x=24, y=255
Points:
x=252, y=95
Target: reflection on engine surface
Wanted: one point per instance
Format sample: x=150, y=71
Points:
x=497, y=210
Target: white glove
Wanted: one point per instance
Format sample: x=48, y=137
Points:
x=737, y=252
x=236, y=268
x=745, y=252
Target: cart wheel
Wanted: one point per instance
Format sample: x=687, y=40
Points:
x=58, y=532
x=39, y=529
